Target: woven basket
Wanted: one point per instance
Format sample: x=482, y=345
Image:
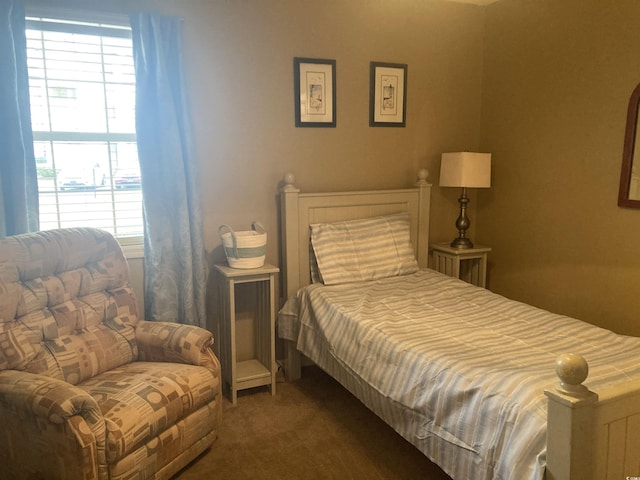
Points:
x=245, y=249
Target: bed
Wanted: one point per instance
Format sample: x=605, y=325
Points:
x=484, y=386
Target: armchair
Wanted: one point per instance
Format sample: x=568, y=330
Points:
x=88, y=390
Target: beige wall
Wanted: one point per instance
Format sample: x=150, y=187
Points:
x=543, y=85
x=239, y=66
x=239, y=71
x=557, y=79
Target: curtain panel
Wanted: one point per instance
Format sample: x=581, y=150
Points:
x=19, y=210
x=175, y=262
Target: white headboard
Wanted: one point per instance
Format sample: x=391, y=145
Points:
x=299, y=210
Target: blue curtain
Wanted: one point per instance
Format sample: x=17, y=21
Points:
x=175, y=264
x=18, y=175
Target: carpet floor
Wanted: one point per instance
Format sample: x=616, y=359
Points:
x=311, y=429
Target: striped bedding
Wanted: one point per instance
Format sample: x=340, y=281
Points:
x=457, y=370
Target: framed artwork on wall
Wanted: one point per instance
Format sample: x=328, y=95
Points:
x=314, y=83
x=388, y=95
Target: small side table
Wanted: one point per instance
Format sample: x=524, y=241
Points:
x=261, y=370
x=468, y=264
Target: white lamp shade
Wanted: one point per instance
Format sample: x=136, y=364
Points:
x=465, y=169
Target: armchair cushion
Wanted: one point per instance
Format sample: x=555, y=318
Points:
x=141, y=399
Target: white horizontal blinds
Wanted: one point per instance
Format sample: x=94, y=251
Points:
x=82, y=87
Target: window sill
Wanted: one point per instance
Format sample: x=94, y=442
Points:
x=133, y=247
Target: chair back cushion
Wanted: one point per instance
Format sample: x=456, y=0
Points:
x=66, y=307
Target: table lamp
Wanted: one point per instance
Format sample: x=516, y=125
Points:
x=465, y=170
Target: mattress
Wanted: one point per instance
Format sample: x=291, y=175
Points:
x=457, y=370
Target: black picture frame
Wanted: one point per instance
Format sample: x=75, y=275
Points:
x=388, y=94
x=314, y=82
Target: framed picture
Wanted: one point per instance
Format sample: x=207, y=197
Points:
x=388, y=95
x=314, y=83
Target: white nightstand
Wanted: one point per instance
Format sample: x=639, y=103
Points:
x=468, y=264
x=260, y=370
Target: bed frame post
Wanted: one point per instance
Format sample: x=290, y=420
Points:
x=570, y=423
x=289, y=197
x=424, y=210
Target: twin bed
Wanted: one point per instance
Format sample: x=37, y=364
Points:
x=465, y=375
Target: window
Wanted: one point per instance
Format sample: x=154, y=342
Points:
x=82, y=87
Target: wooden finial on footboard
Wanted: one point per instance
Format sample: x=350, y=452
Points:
x=572, y=369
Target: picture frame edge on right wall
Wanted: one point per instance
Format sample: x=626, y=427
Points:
x=388, y=94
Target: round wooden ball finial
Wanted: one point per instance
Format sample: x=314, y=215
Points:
x=423, y=174
x=572, y=369
x=289, y=178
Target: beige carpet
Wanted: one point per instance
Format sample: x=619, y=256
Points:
x=312, y=429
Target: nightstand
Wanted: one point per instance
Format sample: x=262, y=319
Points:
x=468, y=264
x=239, y=374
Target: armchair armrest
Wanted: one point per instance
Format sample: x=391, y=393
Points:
x=48, y=398
x=175, y=342
x=52, y=429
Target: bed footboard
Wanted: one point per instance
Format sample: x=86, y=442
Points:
x=591, y=436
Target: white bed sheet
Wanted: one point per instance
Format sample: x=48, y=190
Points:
x=458, y=371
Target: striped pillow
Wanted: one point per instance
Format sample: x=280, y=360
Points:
x=365, y=249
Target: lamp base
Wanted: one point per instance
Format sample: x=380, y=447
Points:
x=462, y=242
x=462, y=223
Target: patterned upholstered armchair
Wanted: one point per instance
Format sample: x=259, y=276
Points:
x=87, y=388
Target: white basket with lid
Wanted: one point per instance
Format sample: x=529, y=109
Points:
x=244, y=249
